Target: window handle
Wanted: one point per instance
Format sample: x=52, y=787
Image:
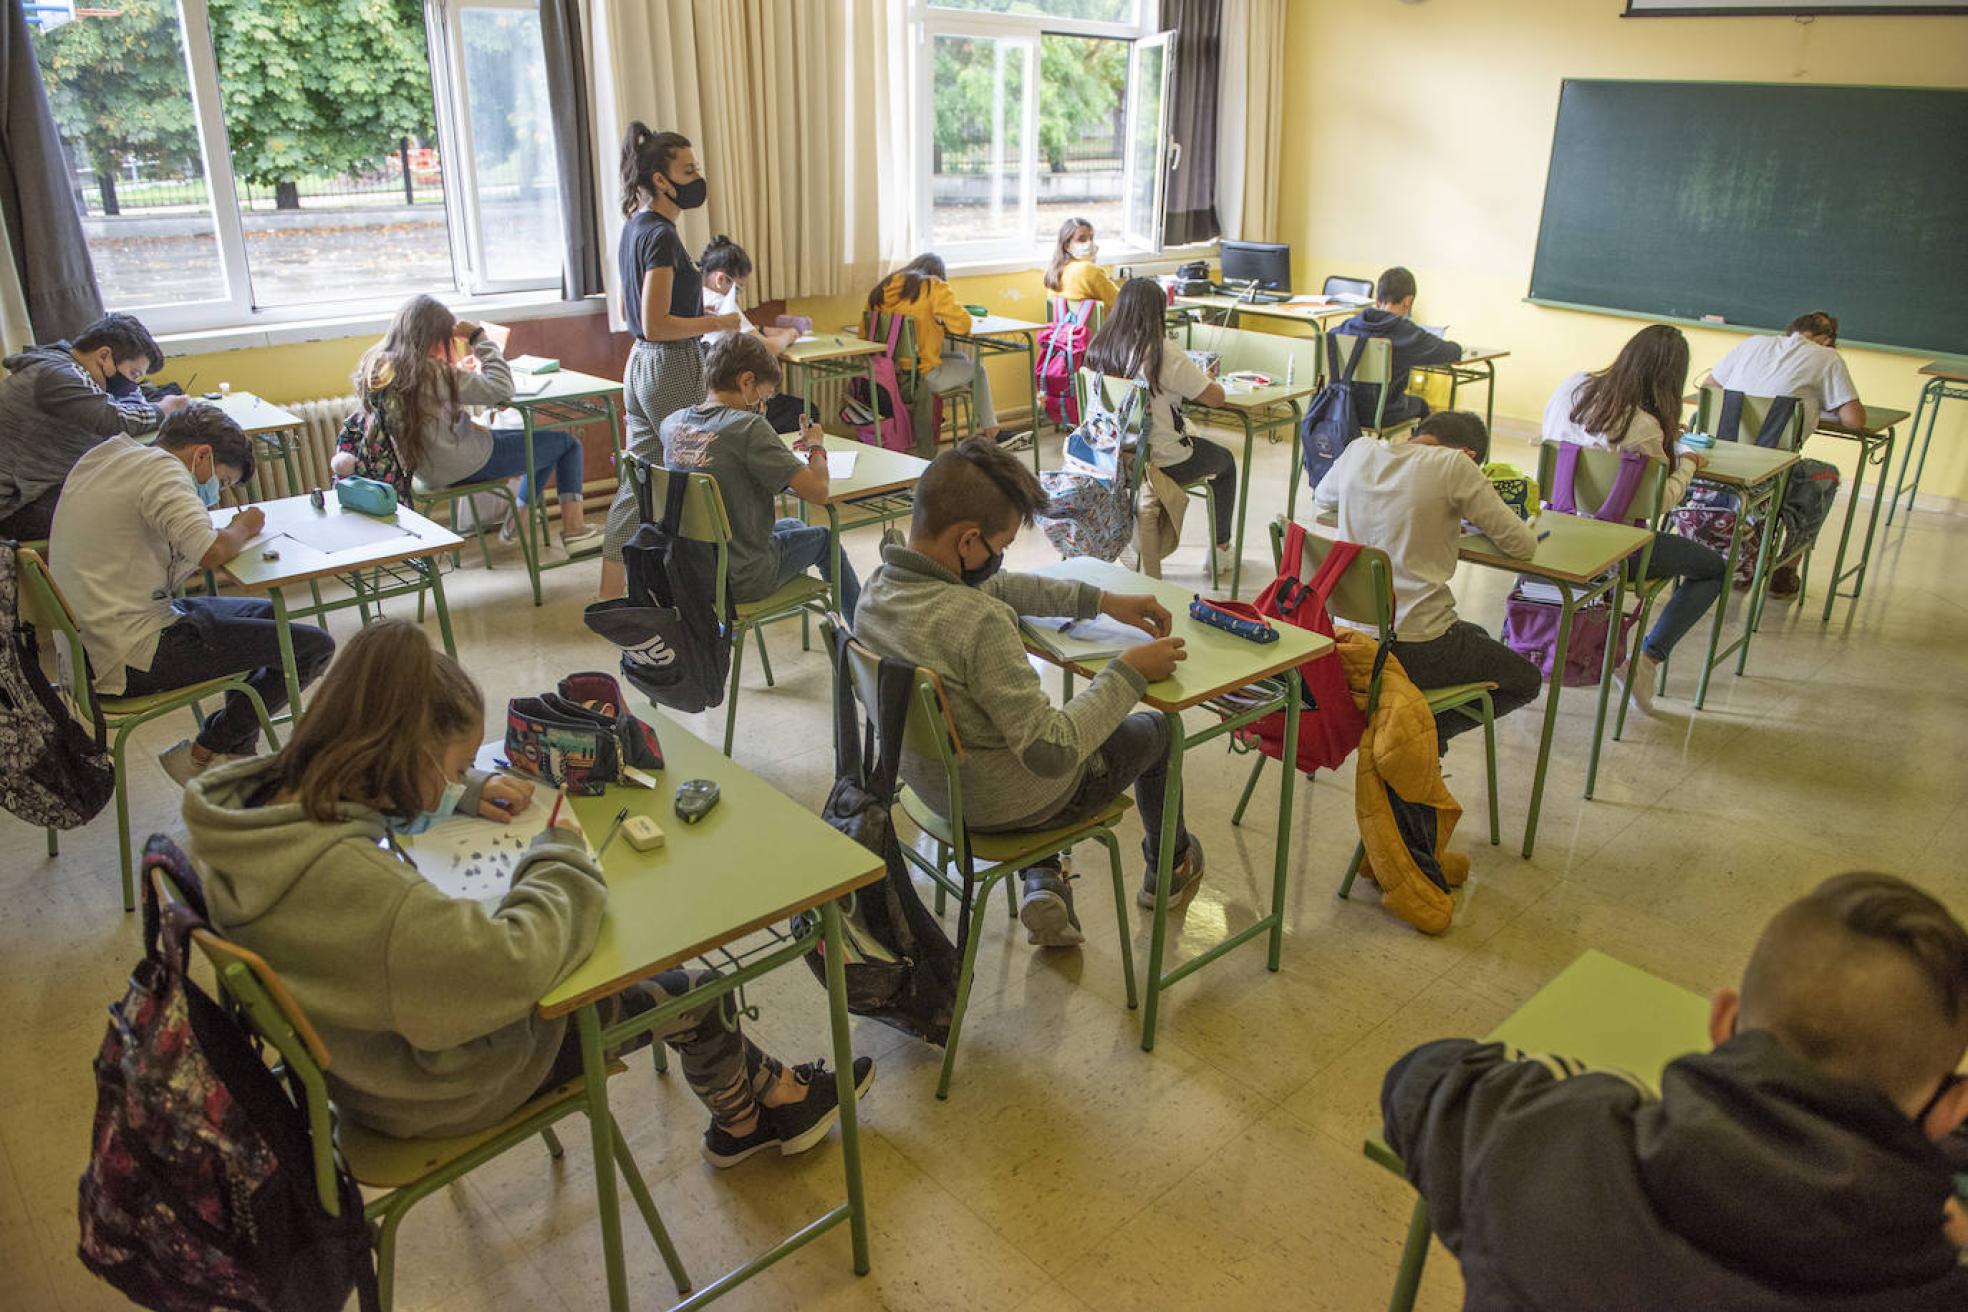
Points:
x=1175, y=155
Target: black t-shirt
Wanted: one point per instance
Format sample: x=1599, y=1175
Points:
x=650, y=241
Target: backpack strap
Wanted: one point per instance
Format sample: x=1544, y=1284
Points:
x=1776, y=420
x=1729, y=423
x=1336, y=563
x=847, y=722
x=1353, y=360
x=679, y=486
x=1559, y=495
x=1292, y=558
x=1619, y=497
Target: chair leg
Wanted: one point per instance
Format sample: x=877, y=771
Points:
x=765, y=660
x=731, y=697
x=1490, y=765
x=1209, y=505
x=1122, y=920
x=118, y=766
x=966, y=973
x=1250, y=786
x=54, y=842
x=942, y=867
x=639, y=1190
x=266, y=721
x=1414, y=1254
x=386, y=1256
x=1352, y=869
x=660, y=1055
x=554, y=1150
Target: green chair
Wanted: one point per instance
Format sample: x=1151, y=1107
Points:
x=958, y=415
x=409, y=1170
x=704, y=520
x=1708, y=413
x=424, y=499
x=1414, y=1250
x=1364, y=594
x=43, y=607
x=1109, y=393
x=1089, y=312
x=1375, y=370
x=1592, y=478
x=928, y=735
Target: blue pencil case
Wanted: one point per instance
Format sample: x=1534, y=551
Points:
x=1235, y=617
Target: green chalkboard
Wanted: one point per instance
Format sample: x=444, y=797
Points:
x=1758, y=202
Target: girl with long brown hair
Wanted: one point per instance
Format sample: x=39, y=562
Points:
x=1634, y=404
x=419, y=399
x=429, y=1002
x=1072, y=275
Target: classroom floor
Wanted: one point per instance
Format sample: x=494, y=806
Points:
x=1069, y=1169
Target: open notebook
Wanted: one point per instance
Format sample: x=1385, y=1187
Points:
x=1082, y=641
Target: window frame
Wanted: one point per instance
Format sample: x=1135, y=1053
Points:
x=236, y=310
x=928, y=21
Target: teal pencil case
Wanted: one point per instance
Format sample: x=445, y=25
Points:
x=366, y=496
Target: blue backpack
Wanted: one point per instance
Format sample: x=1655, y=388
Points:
x=1330, y=422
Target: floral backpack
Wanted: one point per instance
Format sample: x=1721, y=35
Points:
x=1090, y=502
x=365, y=435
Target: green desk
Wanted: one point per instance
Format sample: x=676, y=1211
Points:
x=569, y=402
x=1947, y=380
x=405, y=564
x=274, y=432
x=1219, y=664
x=1477, y=365
x=818, y=367
x=1271, y=410
x=710, y=884
x=1757, y=475
x=1875, y=439
x=1231, y=311
x=881, y=490
x=999, y=334
x=1599, y=1011
x=1581, y=556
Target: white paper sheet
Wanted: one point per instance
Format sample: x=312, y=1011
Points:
x=840, y=464
x=1084, y=640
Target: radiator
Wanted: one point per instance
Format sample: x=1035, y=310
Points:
x=321, y=421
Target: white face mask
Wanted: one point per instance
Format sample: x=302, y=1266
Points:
x=1082, y=250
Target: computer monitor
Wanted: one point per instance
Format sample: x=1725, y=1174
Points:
x=1266, y=262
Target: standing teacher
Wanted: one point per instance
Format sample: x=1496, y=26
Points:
x=662, y=300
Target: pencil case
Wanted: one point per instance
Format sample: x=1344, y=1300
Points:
x=1238, y=617
x=365, y=496
x=578, y=737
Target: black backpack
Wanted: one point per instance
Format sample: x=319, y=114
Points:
x=200, y=1187
x=901, y=968
x=53, y=772
x=1728, y=425
x=674, y=647
x=1331, y=421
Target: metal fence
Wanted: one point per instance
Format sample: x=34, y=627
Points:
x=409, y=175
x=1095, y=148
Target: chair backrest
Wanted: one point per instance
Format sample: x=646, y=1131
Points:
x=704, y=517
x=1364, y=593
x=1240, y=348
x=1375, y=370
x=256, y=988
x=875, y=326
x=1110, y=392
x=1089, y=312
x=1340, y=285
x=41, y=606
x=1708, y=413
x=1593, y=477
x=927, y=733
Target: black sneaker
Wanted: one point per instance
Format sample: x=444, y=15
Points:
x=1010, y=441
x=1184, y=879
x=1046, y=909
x=800, y=1125
x=724, y=1149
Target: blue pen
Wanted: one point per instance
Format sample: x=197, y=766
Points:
x=1542, y=536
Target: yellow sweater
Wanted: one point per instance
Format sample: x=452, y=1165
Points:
x=1083, y=280
x=935, y=311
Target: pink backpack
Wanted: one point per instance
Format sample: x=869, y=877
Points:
x=1061, y=347
x=1530, y=625
x=858, y=410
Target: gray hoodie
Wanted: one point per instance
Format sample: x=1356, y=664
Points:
x=425, y=1001
x=51, y=412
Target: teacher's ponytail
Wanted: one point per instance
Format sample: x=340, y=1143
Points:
x=645, y=153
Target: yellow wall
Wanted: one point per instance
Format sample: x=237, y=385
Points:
x=1438, y=163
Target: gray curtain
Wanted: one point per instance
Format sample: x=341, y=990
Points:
x=1189, y=212
x=567, y=92
x=46, y=233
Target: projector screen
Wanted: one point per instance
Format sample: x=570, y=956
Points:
x=1712, y=8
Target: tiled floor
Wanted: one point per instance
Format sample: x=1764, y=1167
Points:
x=1069, y=1169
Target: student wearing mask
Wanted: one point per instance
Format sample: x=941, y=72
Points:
x=429, y=1002
x=921, y=290
x=135, y=523
x=54, y=405
x=663, y=304
x=413, y=388
x=725, y=266
x=1072, y=275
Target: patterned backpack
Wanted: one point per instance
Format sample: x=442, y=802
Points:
x=1061, y=348
x=1090, y=503
x=53, y=771
x=200, y=1190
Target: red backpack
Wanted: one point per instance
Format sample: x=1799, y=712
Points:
x=1329, y=724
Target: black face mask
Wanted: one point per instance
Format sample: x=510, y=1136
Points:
x=689, y=195
x=975, y=576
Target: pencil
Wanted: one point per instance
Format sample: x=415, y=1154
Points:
x=559, y=797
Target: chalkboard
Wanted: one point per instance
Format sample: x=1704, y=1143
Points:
x=1760, y=202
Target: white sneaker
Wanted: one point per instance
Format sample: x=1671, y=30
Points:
x=1018, y=441
x=179, y=763
x=588, y=539
x=1639, y=678
x=1224, y=557
x=509, y=526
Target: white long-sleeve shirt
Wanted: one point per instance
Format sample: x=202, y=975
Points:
x=1409, y=499
x=1643, y=434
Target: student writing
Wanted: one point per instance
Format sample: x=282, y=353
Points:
x=921, y=290
x=725, y=266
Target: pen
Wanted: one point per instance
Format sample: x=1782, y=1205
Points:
x=613, y=829
x=1542, y=536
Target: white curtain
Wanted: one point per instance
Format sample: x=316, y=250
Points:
x=16, y=332
x=1249, y=131
x=794, y=107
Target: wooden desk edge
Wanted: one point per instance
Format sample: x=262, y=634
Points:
x=424, y=548
x=1149, y=699
x=878, y=490
x=565, y=1006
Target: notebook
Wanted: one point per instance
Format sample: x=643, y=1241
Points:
x=1082, y=641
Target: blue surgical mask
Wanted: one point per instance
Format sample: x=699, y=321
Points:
x=446, y=805
x=208, y=491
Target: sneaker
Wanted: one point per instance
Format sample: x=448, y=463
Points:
x=509, y=526
x=588, y=539
x=1018, y=441
x=1225, y=558
x=181, y=765
x=1638, y=678
x=724, y=1149
x=795, y=1126
x=1184, y=880
x=1785, y=583
x=1046, y=910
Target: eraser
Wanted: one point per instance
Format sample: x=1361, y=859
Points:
x=643, y=833
x=1713, y=318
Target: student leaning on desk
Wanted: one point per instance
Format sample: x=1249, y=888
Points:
x=428, y=1002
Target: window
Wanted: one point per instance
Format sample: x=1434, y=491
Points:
x=1040, y=111
x=240, y=161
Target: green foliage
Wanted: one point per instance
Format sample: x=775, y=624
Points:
x=1081, y=85
x=118, y=86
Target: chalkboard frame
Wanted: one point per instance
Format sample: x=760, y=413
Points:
x=1740, y=327
x=1800, y=10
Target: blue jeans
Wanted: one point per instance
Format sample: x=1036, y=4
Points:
x=230, y=635
x=554, y=452
x=801, y=546
x=1700, y=572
